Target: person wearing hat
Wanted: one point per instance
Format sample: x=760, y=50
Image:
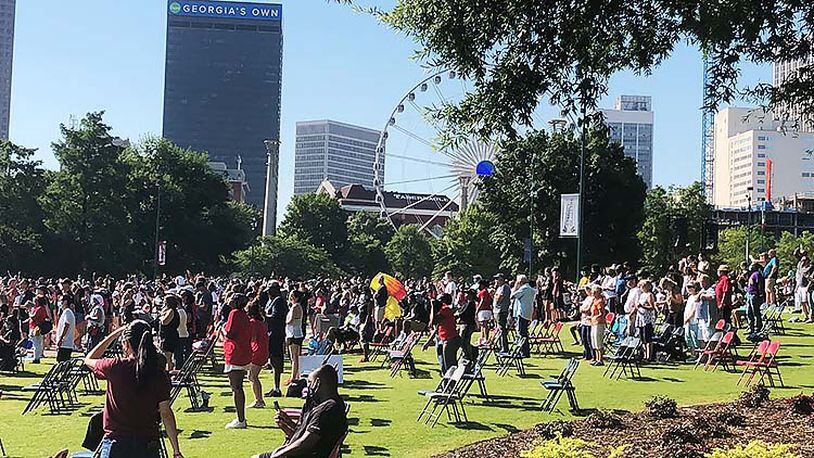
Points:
x=523, y=296
x=723, y=294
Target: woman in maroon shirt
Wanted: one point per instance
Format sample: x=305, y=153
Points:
x=137, y=396
x=237, y=353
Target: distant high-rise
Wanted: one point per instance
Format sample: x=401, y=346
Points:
x=756, y=162
x=631, y=125
x=6, y=58
x=335, y=151
x=223, y=81
x=790, y=115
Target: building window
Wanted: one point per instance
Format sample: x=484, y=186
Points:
x=761, y=146
x=806, y=174
x=761, y=190
x=761, y=164
x=761, y=181
x=761, y=172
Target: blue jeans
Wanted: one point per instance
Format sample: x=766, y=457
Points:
x=753, y=315
x=129, y=448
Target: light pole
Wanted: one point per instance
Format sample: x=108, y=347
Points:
x=581, y=210
x=748, y=220
x=272, y=171
x=157, y=222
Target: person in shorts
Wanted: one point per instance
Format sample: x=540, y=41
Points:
x=485, y=312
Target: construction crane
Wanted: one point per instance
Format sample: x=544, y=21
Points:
x=707, y=145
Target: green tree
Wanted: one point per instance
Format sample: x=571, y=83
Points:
x=368, y=234
x=199, y=222
x=22, y=183
x=409, y=253
x=86, y=202
x=665, y=210
x=614, y=196
x=466, y=247
x=284, y=256
x=319, y=220
x=372, y=225
x=522, y=52
x=788, y=244
x=732, y=244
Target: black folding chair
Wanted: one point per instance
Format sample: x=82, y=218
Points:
x=449, y=397
x=563, y=383
x=476, y=374
x=512, y=358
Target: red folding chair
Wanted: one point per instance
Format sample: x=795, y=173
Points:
x=768, y=364
x=721, y=354
x=757, y=356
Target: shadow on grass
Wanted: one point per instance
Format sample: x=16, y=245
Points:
x=198, y=434
x=380, y=422
x=363, y=385
x=509, y=428
x=360, y=398
x=472, y=426
x=375, y=450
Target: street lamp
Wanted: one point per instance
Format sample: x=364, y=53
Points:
x=748, y=219
x=272, y=171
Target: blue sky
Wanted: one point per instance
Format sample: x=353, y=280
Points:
x=79, y=56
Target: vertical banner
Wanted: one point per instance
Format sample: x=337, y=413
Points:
x=162, y=253
x=569, y=215
x=768, y=180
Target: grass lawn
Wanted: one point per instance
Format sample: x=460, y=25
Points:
x=383, y=410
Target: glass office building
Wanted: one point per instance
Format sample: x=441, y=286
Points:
x=222, y=83
x=335, y=151
x=6, y=58
x=631, y=125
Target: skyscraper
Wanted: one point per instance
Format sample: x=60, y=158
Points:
x=223, y=81
x=631, y=125
x=6, y=58
x=339, y=152
x=790, y=115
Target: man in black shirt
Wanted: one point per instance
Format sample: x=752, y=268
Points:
x=323, y=422
x=276, y=311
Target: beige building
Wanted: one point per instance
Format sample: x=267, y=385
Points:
x=791, y=115
x=750, y=152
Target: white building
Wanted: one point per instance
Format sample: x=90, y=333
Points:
x=751, y=152
x=335, y=151
x=631, y=125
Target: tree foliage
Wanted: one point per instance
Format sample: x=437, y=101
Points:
x=97, y=213
x=21, y=185
x=732, y=244
x=673, y=227
x=286, y=256
x=614, y=194
x=519, y=52
x=466, y=248
x=409, y=252
x=319, y=220
x=787, y=244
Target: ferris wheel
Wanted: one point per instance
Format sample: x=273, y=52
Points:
x=435, y=181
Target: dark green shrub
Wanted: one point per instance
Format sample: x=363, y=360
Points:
x=661, y=407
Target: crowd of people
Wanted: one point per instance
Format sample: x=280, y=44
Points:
x=262, y=323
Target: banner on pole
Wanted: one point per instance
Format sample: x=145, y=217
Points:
x=569, y=215
x=162, y=253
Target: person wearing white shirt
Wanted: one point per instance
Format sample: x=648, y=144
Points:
x=450, y=287
x=523, y=304
x=66, y=329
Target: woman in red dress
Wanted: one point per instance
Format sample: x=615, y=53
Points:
x=260, y=349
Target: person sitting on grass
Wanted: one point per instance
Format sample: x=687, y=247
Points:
x=323, y=421
x=137, y=395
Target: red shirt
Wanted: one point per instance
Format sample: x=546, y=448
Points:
x=237, y=347
x=446, y=324
x=260, y=342
x=131, y=411
x=484, y=300
x=723, y=293
x=38, y=316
